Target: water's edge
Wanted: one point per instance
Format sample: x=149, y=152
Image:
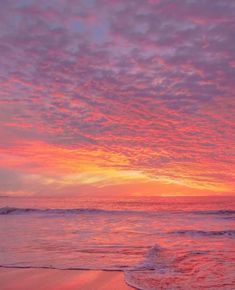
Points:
x=70, y=269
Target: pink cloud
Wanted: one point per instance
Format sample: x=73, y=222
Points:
x=149, y=80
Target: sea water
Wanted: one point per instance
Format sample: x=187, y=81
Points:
x=159, y=243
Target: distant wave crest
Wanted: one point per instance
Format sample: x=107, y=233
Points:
x=217, y=212
x=23, y=211
x=230, y=233
x=14, y=210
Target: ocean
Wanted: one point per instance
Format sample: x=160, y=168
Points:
x=159, y=243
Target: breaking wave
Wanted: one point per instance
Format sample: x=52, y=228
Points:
x=164, y=268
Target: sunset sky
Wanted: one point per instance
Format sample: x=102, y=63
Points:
x=117, y=97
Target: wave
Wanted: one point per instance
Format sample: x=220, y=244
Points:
x=216, y=212
x=74, y=211
x=155, y=257
x=164, y=268
x=230, y=233
x=156, y=267
x=229, y=214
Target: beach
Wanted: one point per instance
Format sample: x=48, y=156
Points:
x=51, y=279
x=103, y=245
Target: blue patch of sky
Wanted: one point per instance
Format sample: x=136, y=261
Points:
x=100, y=32
x=77, y=26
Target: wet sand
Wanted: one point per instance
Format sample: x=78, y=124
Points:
x=50, y=279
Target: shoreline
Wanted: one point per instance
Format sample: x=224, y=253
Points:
x=13, y=278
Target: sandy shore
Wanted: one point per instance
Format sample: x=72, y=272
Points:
x=49, y=279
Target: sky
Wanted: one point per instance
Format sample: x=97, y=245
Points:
x=117, y=97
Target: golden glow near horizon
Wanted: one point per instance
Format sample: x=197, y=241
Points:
x=51, y=167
